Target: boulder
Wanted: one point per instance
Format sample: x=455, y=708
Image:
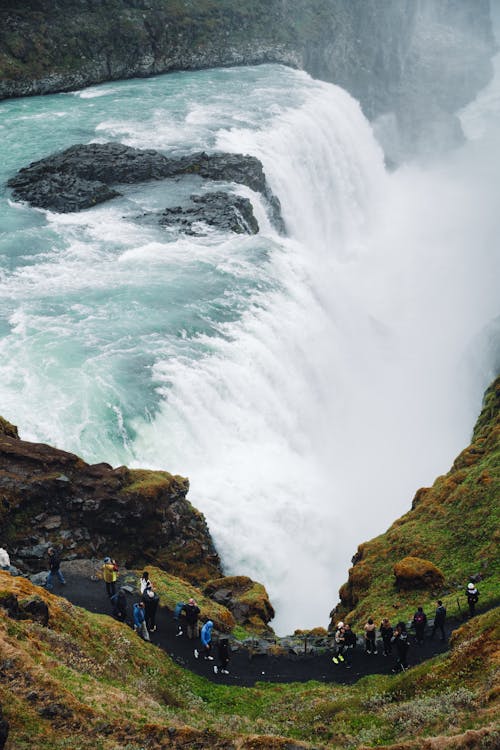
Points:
x=416, y=573
x=229, y=213
x=247, y=600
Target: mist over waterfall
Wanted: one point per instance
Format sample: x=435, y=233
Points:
x=306, y=384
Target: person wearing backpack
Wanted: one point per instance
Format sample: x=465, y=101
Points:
x=54, y=568
x=151, y=601
x=439, y=620
x=339, y=644
x=191, y=611
x=419, y=623
x=472, y=598
x=140, y=621
x=119, y=603
x=223, y=654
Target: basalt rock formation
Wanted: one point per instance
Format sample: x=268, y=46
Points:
x=230, y=213
x=52, y=498
x=247, y=600
x=419, y=60
x=83, y=175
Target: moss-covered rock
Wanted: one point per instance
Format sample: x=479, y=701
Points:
x=247, y=600
x=53, y=498
x=415, y=573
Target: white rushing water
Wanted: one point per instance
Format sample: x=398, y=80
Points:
x=307, y=385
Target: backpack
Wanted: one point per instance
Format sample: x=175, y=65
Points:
x=419, y=618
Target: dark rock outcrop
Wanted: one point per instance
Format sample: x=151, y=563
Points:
x=33, y=608
x=81, y=176
x=52, y=498
x=420, y=60
x=230, y=213
x=247, y=600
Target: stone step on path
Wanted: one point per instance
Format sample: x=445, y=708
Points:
x=244, y=670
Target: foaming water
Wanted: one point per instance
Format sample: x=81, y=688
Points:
x=307, y=385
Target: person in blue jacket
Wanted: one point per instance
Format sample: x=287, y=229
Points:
x=140, y=621
x=206, y=641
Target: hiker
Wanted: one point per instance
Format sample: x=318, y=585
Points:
x=119, y=602
x=439, y=620
x=54, y=568
x=402, y=644
x=370, y=633
x=110, y=574
x=472, y=598
x=4, y=559
x=144, y=583
x=350, y=644
x=191, y=611
x=151, y=601
x=206, y=641
x=419, y=623
x=179, y=608
x=386, y=633
x=140, y=621
x=223, y=654
x=339, y=644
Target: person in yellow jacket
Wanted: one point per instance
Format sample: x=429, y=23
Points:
x=110, y=575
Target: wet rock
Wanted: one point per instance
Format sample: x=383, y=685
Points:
x=80, y=176
x=229, y=213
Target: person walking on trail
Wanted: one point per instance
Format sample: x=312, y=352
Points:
x=350, y=644
x=151, y=601
x=179, y=609
x=206, y=641
x=191, y=611
x=54, y=568
x=110, y=575
x=439, y=620
x=386, y=633
x=119, y=603
x=338, y=656
x=223, y=655
x=402, y=644
x=140, y=621
x=419, y=623
x=472, y=598
x=370, y=633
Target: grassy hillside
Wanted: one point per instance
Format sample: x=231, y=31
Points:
x=87, y=681
x=453, y=525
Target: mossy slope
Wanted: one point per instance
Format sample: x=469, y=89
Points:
x=454, y=525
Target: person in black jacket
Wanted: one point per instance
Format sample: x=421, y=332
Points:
x=119, y=603
x=151, y=601
x=472, y=598
x=191, y=611
x=439, y=620
x=350, y=641
x=386, y=633
x=223, y=654
x=419, y=623
x=402, y=644
x=54, y=568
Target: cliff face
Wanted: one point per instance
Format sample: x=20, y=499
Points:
x=420, y=59
x=52, y=498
